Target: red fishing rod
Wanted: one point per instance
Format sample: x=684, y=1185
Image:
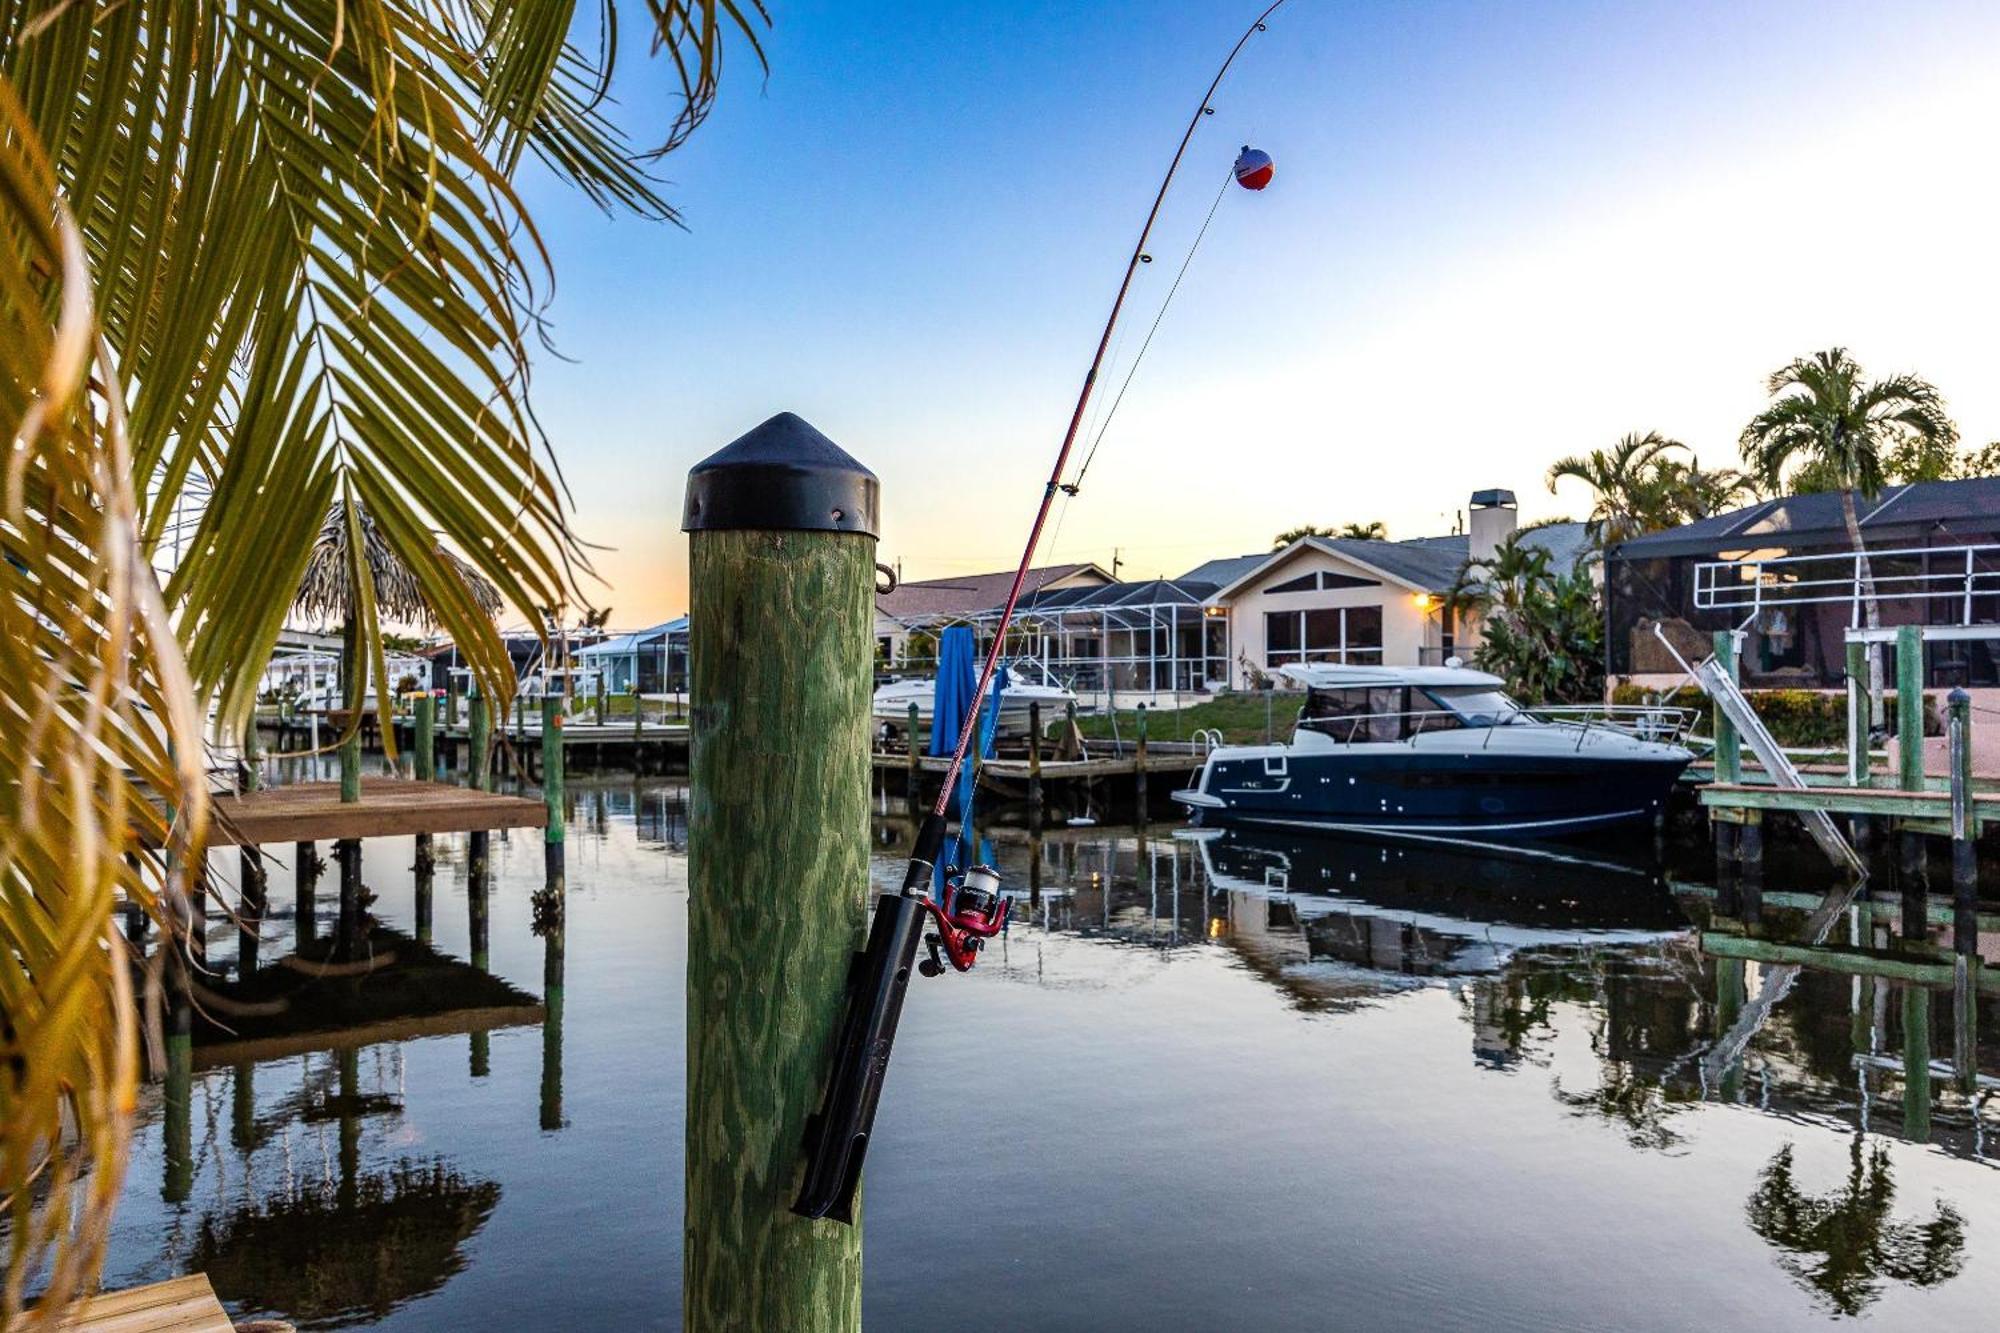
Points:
x=972, y=909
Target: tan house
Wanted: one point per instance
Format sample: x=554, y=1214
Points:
x=1370, y=603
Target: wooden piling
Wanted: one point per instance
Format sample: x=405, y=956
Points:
x=1964, y=847
x=305, y=878
x=424, y=720
x=1914, y=852
x=782, y=544
x=1139, y=764
x=478, y=850
x=1916, y=1063
x=1728, y=745
x=1750, y=861
x=1035, y=765
x=913, y=777
x=552, y=795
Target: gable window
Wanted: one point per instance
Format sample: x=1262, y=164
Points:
x=1323, y=581
x=1349, y=634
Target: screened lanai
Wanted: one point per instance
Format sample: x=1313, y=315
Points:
x=1153, y=637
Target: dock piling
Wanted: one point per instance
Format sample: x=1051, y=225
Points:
x=1914, y=853
x=782, y=528
x=1964, y=847
x=916, y=773
x=1139, y=764
x=554, y=881
x=425, y=722
x=1035, y=765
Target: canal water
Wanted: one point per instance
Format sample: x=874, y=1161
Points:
x=1235, y=1081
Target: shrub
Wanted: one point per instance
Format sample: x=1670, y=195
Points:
x=1795, y=717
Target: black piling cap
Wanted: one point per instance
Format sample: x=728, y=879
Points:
x=784, y=476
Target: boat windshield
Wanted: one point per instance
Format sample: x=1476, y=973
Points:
x=1478, y=705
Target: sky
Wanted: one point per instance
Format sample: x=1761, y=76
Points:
x=1499, y=233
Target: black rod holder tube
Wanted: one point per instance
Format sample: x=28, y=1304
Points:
x=837, y=1136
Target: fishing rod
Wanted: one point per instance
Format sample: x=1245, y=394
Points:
x=971, y=908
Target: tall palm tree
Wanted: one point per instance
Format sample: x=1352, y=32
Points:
x=268, y=251
x=1828, y=418
x=1373, y=531
x=1629, y=501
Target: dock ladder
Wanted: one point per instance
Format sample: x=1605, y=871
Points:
x=1721, y=687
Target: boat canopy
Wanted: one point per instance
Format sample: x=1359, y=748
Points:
x=1333, y=676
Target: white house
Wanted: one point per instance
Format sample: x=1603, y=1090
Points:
x=1336, y=599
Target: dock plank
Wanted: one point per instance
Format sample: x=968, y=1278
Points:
x=388, y=808
x=178, y=1305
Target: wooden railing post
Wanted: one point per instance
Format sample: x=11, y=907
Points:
x=782, y=530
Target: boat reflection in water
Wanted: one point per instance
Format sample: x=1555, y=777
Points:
x=1344, y=917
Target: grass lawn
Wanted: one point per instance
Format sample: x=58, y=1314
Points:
x=1240, y=717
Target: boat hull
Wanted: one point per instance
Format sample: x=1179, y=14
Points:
x=1511, y=795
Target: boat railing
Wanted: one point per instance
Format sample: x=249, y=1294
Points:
x=1646, y=722
x=1632, y=721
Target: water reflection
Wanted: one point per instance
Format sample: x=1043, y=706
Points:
x=1846, y=1244
x=1400, y=1023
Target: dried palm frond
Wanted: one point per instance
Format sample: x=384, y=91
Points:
x=327, y=592
x=88, y=769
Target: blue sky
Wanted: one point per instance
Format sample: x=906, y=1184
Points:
x=1499, y=233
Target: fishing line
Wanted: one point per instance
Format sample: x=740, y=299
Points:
x=1133, y=369
x=1049, y=492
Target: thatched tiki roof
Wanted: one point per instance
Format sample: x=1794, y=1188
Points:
x=326, y=593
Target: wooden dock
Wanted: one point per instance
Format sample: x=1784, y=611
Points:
x=1927, y=811
x=178, y=1305
x=388, y=808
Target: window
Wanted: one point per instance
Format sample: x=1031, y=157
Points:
x=1350, y=634
x=1323, y=581
x=1377, y=714
x=1281, y=637
x=1479, y=706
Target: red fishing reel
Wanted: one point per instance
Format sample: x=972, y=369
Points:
x=974, y=911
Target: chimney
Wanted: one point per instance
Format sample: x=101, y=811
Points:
x=1492, y=521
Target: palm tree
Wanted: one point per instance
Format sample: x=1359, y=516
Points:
x=1375, y=531
x=1629, y=500
x=1688, y=492
x=269, y=252
x=1828, y=419
x=1290, y=535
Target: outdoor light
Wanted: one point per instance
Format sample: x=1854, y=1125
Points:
x=1424, y=601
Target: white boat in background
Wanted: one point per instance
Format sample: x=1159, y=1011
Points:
x=1021, y=688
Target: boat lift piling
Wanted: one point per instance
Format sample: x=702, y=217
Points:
x=425, y=762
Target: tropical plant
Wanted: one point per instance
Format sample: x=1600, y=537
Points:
x=1686, y=492
x=1373, y=531
x=1830, y=421
x=1541, y=628
x=266, y=253
x=1629, y=501
x=1290, y=535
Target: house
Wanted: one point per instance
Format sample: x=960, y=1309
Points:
x=1336, y=599
x=908, y=617
x=1784, y=571
x=652, y=660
